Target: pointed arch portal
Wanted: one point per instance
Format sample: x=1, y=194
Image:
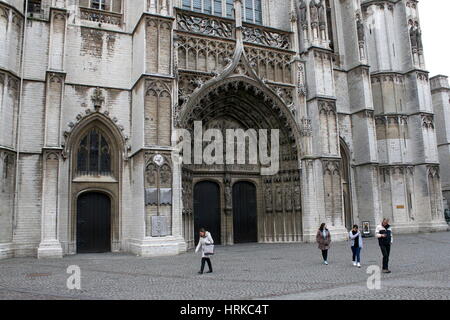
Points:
x=241, y=101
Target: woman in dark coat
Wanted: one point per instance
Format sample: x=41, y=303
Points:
x=323, y=238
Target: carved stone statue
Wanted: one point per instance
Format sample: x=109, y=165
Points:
x=268, y=198
x=360, y=29
x=228, y=196
x=279, y=199
x=150, y=175
x=303, y=12
x=288, y=197
x=419, y=38
x=166, y=175
x=413, y=36
x=297, y=197
x=321, y=12
x=313, y=11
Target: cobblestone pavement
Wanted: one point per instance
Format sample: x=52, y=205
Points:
x=420, y=267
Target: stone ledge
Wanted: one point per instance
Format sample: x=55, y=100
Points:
x=158, y=247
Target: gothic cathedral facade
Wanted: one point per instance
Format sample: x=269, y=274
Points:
x=92, y=91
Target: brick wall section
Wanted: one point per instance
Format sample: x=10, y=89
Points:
x=36, y=57
x=98, y=57
x=28, y=232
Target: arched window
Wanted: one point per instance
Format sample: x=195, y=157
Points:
x=94, y=155
x=252, y=12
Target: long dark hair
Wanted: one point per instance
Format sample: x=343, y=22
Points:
x=322, y=226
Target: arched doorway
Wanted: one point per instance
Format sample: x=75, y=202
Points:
x=93, y=223
x=96, y=148
x=346, y=185
x=245, y=227
x=247, y=108
x=207, y=209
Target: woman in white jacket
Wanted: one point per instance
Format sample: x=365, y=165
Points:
x=205, y=240
x=356, y=245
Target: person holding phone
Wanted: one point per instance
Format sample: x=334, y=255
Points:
x=205, y=243
x=356, y=245
x=384, y=234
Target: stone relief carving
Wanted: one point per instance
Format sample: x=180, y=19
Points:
x=265, y=37
x=187, y=193
x=306, y=127
x=301, y=81
x=188, y=83
x=158, y=180
x=285, y=93
x=101, y=16
x=428, y=121
x=98, y=98
x=205, y=25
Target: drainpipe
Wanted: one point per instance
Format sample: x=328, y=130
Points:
x=18, y=123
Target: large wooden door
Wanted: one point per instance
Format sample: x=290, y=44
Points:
x=207, y=209
x=93, y=223
x=245, y=227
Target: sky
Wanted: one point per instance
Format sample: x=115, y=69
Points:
x=435, y=22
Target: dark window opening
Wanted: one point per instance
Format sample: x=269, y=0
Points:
x=34, y=6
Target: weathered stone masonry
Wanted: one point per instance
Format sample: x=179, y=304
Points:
x=92, y=91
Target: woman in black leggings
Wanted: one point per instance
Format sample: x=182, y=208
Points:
x=323, y=238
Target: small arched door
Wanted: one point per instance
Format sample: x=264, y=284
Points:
x=207, y=209
x=93, y=223
x=245, y=228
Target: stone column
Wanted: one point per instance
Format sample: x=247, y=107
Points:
x=50, y=247
x=58, y=26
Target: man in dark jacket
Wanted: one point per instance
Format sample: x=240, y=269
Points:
x=384, y=234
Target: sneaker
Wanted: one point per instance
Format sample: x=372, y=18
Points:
x=354, y=263
x=325, y=263
x=358, y=265
x=210, y=271
x=386, y=271
x=200, y=272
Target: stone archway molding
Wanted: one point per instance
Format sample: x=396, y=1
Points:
x=240, y=70
x=84, y=120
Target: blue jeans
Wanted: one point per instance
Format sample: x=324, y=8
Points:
x=356, y=254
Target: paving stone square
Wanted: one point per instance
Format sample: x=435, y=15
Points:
x=420, y=267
